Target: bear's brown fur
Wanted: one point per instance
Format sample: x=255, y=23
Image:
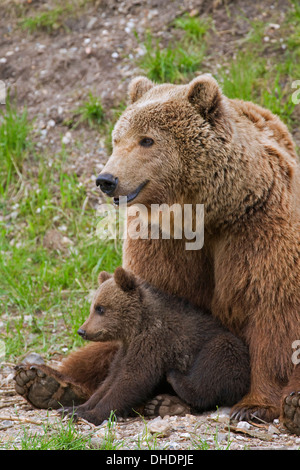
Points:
x=160, y=337
x=239, y=161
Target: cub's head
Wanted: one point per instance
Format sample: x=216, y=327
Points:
x=163, y=144
x=115, y=309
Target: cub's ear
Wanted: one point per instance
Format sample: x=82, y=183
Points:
x=103, y=276
x=205, y=95
x=124, y=279
x=138, y=87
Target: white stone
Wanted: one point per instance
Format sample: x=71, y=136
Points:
x=243, y=425
x=67, y=138
x=222, y=415
x=159, y=426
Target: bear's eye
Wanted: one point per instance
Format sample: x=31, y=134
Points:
x=146, y=142
x=99, y=309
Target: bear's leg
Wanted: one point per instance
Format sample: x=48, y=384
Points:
x=271, y=368
x=219, y=376
x=72, y=384
x=290, y=407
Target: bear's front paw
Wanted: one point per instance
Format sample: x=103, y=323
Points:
x=291, y=412
x=244, y=411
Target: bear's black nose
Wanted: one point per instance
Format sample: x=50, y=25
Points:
x=81, y=332
x=107, y=183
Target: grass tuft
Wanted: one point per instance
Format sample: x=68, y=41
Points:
x=14, y=143
x=90, y=112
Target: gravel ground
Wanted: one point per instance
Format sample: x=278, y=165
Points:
x=210, y=430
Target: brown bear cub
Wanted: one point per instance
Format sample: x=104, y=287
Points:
x=160, y=337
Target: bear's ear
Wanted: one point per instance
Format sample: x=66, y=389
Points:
x=103, y=276
x=138, y=87
x=205, y=95
x=124, y=279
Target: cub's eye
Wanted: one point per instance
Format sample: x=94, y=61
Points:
x=99, y=309
x=146, y=142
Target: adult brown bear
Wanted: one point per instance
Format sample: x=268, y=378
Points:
x=189, y=144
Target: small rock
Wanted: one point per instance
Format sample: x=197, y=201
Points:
x=67, y=138
x=222, y=415
x=274, y=25
x=273, y=430
x=115, y=55
x=243, y=425
x=33, y=358
x=6, y=424
x=173, y=446
x=91, y=23
x=194, y=13
x=159, y=426
x=50, y=123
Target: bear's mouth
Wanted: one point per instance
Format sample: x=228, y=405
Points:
x=131, y=196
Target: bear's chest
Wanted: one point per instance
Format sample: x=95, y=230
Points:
x=168, y=266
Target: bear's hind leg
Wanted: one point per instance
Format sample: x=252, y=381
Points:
x=219, y=376
x=72, y=384
x=44, y=387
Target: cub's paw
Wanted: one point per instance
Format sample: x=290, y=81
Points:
x=41, y=389
x=291, y=412
x=163, y=405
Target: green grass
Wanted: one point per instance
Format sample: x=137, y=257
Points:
x=169, y=64
x=46, y=21
x=195, y=28
x=61, y=436
x=14, y=143
x=180, y=58
x=65, y=435
x=90, y=112
x=45, y=291
x=51, y=18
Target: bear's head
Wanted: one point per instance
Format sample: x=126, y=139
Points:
x=169, y=143
x=115, y=309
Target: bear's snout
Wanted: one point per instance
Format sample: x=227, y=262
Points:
x=107, y=182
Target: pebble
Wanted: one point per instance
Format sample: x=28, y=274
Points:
x=243, y=425
x=67, y=138
x=222, y=415
x=274, y=25
x=92, y=22
x=159, y=426
x=50, y=123
x=273, y=430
